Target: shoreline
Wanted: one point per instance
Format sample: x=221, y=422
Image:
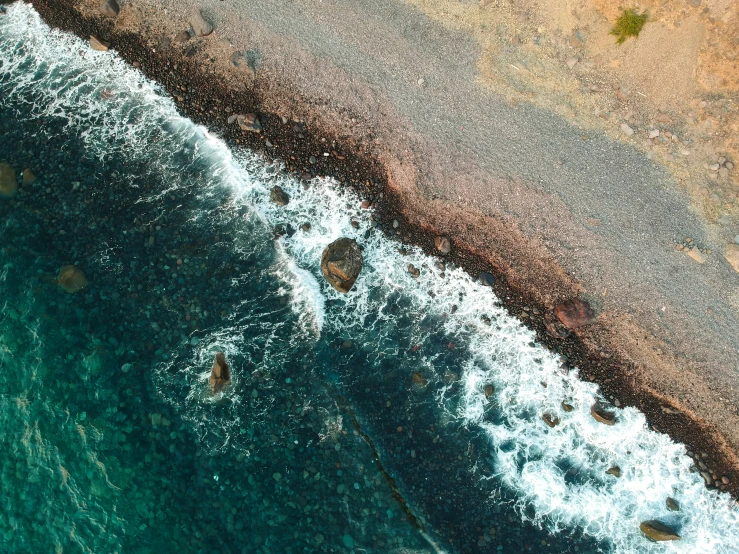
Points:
x=614, y=374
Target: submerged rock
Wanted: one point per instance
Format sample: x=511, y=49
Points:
x=8, y=182
x=489, y=391
x=602, y=415
x=658, y=531
x=672, y=504
x=29, y=177
x=575, y=313
x=72, y=279
x=110, y=8
x=279, y=196
x=443, y=244
x=419, y=379
x=341, y=263
x=220, y=374
x=99, y=44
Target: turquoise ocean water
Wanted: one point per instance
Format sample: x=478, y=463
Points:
x=350, y=425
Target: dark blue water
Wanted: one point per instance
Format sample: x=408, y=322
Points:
x=354, y=423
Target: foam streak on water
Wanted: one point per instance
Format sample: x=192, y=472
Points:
x=559, y=472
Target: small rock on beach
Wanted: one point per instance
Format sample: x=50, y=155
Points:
x=249, y=122
x=628, y=131
x=200, y=26
x=575, y=313
x=443, y=244
x=731, y=253
x=110, y=8
x=486, y=279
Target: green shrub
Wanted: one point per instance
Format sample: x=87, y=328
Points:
x=629, y=25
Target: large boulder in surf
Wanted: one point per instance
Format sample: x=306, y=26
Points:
x=341, y=263
x=220, y=374
x=658, y=531
x=110, y=8
x=575, y=313
x=72, y=279
x=8, y=181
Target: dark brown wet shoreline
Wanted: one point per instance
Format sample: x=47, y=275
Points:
x=204, y=99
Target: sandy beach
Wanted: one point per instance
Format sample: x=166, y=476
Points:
x=556, y=206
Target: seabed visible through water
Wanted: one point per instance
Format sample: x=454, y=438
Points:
x=111, y=440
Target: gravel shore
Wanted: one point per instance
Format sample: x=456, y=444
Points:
x=556, y=210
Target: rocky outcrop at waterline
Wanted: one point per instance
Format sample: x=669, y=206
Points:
x=220, y=374
x=341, y=263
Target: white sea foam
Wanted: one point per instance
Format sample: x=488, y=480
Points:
x=530, y=458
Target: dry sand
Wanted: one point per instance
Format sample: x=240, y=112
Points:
x=510, y=158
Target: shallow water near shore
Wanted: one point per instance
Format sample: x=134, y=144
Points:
x=111, y=440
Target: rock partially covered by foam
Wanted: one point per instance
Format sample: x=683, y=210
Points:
x=672, y=504
x=279, y=196
x=8, y=182
x=575, y=313
x=220, y=374
x=658, y=531
x=341, y=263
x=601, y=415
x=72, y=279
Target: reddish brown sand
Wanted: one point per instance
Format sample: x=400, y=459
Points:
x=556, y=211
